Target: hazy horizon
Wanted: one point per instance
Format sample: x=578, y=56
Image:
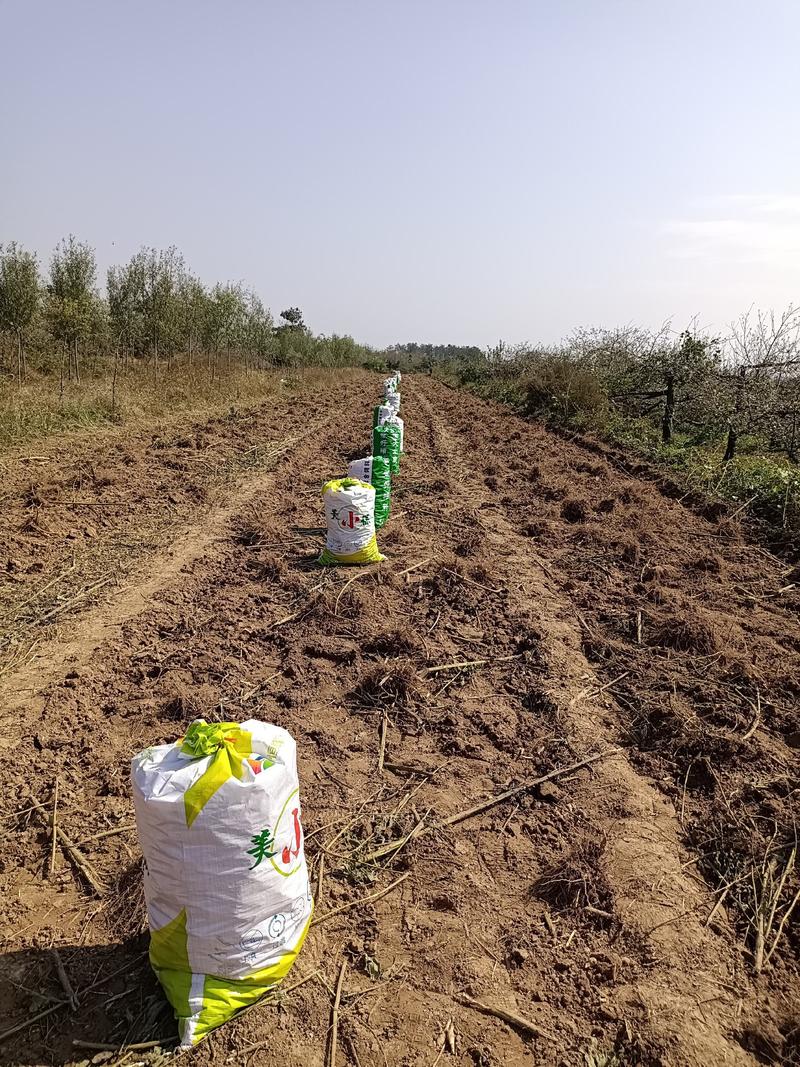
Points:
x=441, y=172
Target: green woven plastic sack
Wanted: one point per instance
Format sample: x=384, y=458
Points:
x=382, y=483
x=375, y=470
x=386, y=443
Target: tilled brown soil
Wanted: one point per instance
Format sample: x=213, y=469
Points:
x=577, y=610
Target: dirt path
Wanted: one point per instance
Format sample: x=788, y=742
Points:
x=594, y=613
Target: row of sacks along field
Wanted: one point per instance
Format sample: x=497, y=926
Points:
x=218, y=812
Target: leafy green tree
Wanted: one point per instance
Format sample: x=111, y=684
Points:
x=193, y=302
x=292, y=320
x=19, y=296
x=72, y=307
x=257, y=330
x=125, y=288
x=162, y=273
x=223, y=328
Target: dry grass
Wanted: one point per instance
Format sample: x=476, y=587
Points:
x=687, y=633
x=395, y=685
x=753, y=865
x=38, y=409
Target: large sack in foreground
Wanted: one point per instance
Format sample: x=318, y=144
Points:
x=350, y=517
x=226, y=883
x=375, y=470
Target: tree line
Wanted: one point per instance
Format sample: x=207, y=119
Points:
x=692, y=386
x=153, y=310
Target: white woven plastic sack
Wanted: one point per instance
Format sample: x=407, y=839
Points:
x=350, y=518
x=361, y=469
x=385, y=411
x=228, y=900
x=390, y=385
x=392, y=402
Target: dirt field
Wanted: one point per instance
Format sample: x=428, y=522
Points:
x=579, y=607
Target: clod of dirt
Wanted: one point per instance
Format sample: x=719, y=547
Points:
x=348, y=603
x=252, y=533
x=711, y=563
x=714, y=510
x=351, y=604
x=686, y=634
x=554, y=491
x=518, y=956
x=334, y=649
x=400, y=642
x=596, y=648
x=469, y=544
x=534, y=529
x=578, y=879
x=539, y=702
x=574, y=510
x=630, y=553
x=481, y=574
x=447, y=584
x=272, y=569
x=549, y=791
x=393, y=536
x=181, y=705
x=393, y=685
x=529, y=641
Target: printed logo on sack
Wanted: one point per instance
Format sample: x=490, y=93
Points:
x=349, y=519
x=252, y=941
x=282, y=845
x=277, y=925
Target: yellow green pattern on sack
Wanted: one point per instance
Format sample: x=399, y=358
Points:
x=222, y=998
x=368, y=554
x=229, y=745
x=337, y=484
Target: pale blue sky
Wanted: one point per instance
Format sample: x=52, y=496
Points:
x=433, y=170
